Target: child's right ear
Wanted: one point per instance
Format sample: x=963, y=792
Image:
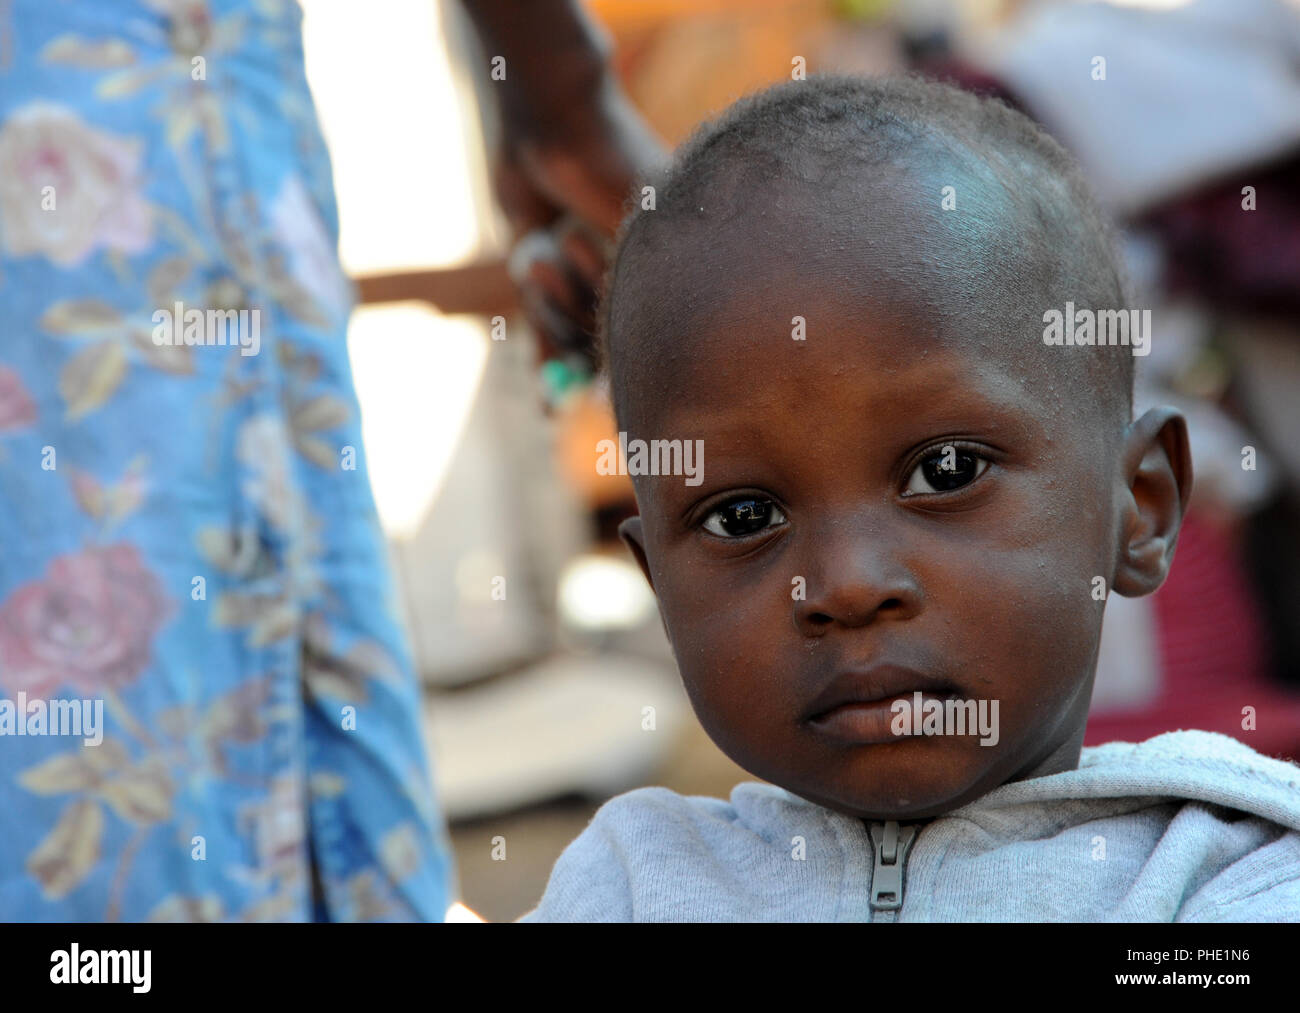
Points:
x=633, y=534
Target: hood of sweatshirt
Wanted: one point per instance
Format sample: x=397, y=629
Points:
x=1187, y=826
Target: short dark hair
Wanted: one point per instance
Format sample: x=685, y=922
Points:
x=841, y=121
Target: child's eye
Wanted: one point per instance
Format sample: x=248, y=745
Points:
x=743, y=517
x=947, y=469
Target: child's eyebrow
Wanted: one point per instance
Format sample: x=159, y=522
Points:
x=1012, y=416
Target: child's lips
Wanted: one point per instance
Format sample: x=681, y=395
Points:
x=873, y=722
x=856, y=706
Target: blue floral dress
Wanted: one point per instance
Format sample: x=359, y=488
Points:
x=187, y=536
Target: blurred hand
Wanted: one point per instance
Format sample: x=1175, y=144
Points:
x=563, y=183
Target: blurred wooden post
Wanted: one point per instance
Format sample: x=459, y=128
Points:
x=483, y=288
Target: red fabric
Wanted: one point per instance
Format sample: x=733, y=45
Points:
x=1212, y=653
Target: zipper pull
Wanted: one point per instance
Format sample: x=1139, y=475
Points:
x=892, y=844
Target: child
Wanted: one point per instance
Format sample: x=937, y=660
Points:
x=884, y=308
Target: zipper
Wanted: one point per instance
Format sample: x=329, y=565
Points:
x=891, y=843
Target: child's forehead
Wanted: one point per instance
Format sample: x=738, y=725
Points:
x=758, y=287
x=893, y=229
x=916, y=350
x=769, y=346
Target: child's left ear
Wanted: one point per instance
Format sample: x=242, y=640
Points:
x=1157, y=463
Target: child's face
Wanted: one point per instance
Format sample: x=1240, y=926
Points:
x=828, y=548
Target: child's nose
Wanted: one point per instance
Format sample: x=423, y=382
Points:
x=857, y=580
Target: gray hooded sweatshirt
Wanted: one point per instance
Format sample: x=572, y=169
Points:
x=1187, y=826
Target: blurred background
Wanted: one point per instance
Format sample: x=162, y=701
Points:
x=549, y=683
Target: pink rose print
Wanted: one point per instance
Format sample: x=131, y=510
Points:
x=16, y=406
x=96, y=194
x=90, y=622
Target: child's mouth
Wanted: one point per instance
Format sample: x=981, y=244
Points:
x=877, y=721
x=874, y=706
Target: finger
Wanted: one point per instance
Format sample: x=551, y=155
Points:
x=584, y=249
x=537, y=262
x=525, y=207
x=559, y=335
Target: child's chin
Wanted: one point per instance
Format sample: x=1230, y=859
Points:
x=882, y=808
x=909, y=795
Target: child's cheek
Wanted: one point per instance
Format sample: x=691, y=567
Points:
x=727, y=624
x=1027, y=625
